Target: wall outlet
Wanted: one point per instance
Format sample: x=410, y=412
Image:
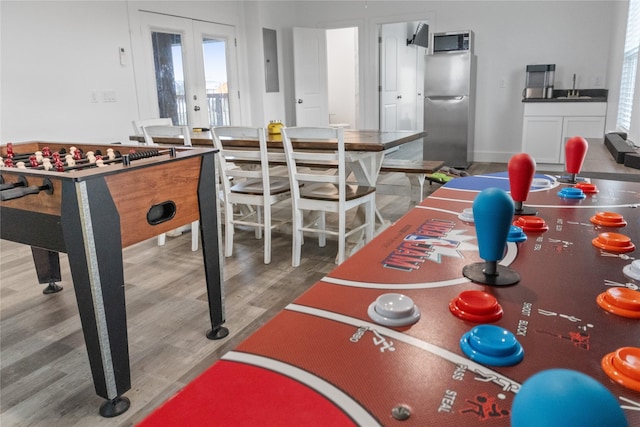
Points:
x=93, y=97
x=503, y=83
x=109, y=96
x=597, y=81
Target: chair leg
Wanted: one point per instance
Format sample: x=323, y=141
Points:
x=322, y=224
x=342, y=240
x=258, y=229
x=296, y=246
x=195, y=231
x=228, y=229
x=267, y=234
x=370, y=214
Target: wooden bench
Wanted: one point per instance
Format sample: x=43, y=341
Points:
x=415, y=170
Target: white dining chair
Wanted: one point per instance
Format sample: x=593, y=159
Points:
x=315, y=190
x=250, y=185
x=152, y=131
x=155, y=130
x=138, y=124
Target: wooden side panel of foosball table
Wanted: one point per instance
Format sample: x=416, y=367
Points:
x=42, y=202
x=136, y=191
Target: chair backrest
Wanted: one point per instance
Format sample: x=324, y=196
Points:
x=138, y=124
x=163, y=130
x=255, y=152
x=296, y=156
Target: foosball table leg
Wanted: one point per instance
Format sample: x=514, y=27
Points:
x=91, y=227
x=217, y=333
x=210, y=237
x=47, y=265
x=114, y=407
x=52, y=288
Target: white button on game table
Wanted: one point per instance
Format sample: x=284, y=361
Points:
x=466, y=215
x=540, y=183
x=394, y=310
x=632, y=270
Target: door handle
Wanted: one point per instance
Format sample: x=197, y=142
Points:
x=299, y=101
x=445, y=98
x=196, y=108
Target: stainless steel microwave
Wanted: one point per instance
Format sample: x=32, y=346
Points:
x=452, y=41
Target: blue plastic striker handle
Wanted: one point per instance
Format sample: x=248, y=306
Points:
x=493, y=211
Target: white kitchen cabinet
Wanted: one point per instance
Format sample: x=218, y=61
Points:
x=584, y=126
x=547, y=126
x=540, y=138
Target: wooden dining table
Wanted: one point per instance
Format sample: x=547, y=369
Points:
x=364, y=153
x=365, y=149
x=374, y=141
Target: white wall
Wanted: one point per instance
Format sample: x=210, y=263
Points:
x=271, y=107
x=509, y=35
x=55, y=54
x=341, y=63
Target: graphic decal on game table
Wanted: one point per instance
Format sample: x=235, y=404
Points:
x=434, y=239
x=425, y=249
x=485, y=407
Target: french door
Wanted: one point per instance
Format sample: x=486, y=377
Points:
x=190, y=71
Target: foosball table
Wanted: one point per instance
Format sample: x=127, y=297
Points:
x=91, y=201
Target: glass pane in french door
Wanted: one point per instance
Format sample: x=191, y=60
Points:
x=169, y=73
x=217, y=85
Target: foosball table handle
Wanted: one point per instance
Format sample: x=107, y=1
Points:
x=22, y=182
x=17, y=192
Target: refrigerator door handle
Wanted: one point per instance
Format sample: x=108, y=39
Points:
x=445, y=97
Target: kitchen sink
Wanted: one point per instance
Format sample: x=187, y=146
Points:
x=574, y=97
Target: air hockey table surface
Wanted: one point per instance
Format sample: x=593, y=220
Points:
x=324, y=360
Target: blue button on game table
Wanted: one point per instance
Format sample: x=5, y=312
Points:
x=516, y=234
x=492, y=345
x=571, y=193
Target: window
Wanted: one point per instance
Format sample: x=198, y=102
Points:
x=629, y=65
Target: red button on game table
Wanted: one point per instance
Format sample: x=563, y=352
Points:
x=476, y=306
x=587, y=188
x=609, y=219
x=531, y=223
x=623, y=302
x=613, y=242
x=623, y=367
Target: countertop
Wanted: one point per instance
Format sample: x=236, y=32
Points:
x=585, y=95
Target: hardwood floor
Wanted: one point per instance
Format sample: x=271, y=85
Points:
x=45, y=378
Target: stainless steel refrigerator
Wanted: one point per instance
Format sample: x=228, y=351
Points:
x=449, y=91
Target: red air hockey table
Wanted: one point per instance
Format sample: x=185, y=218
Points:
x=325, y=361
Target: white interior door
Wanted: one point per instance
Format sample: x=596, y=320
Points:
x=189, y=71
x=389, y=91
x=310, y=77
x=401, y=75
